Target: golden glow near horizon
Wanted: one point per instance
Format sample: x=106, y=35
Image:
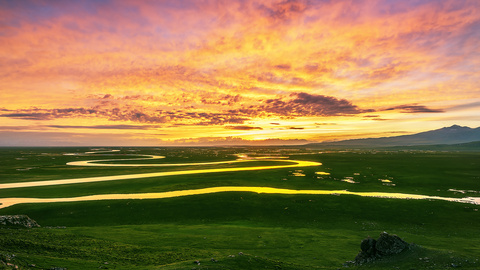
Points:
x=215, y=72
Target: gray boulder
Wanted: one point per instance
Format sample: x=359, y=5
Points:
x=17, y=221
x=390, y=244
x=385, y=245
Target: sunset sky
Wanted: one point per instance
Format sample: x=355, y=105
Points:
x=133, y=72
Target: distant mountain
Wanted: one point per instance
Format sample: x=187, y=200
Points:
x=471, y=146
x=447, y=135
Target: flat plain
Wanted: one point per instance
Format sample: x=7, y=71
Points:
x=241, y=230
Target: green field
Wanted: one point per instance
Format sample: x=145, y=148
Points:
x=242, y=230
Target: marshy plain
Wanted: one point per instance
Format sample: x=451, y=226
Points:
x=237, y=208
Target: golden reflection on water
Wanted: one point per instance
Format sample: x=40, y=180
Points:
x=6, y=202
x=98, y=162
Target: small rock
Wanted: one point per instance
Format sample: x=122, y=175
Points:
x=385, y=245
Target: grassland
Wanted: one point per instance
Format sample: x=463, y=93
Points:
x=242, y=230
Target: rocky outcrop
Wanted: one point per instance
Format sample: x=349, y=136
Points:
x=385, y=245
x=390, y=244
x=18, y=221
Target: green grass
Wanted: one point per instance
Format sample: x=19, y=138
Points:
x=428, y=173
x=304, y=231
x=271, y=231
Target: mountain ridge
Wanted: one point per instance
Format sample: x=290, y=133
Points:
x=454, y=134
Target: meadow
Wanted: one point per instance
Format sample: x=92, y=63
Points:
x=242, y=230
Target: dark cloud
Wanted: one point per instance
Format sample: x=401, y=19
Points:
x=275, y=124
x=38, y=114
x=311, y=68
x=303, y=104
x=319, y=68
x=20, y=128
x=224, y=100
x=283, y=67
x=378, y=119
x=207, y=119
x=211, y=141
x=298, y=105
x=271, y=78
x=285, y=10
x=243, y=127
x=465, y=106
x=374, y=117
x=106, y=126
x=196, y=97
x=297, y=81
x=134, y=115
x=28, y=116
x=325, y=124
x=415, y=109
x=296, y=128
x=292, y=106
x=138, y=116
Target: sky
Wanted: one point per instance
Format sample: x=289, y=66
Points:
x=152, y=73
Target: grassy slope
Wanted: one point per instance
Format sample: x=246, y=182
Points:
x=292, y=229
x=273, y=231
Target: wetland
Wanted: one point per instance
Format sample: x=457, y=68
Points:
x=230, y=194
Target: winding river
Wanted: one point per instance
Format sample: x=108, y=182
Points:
x=6, y=202
x=293, y=163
